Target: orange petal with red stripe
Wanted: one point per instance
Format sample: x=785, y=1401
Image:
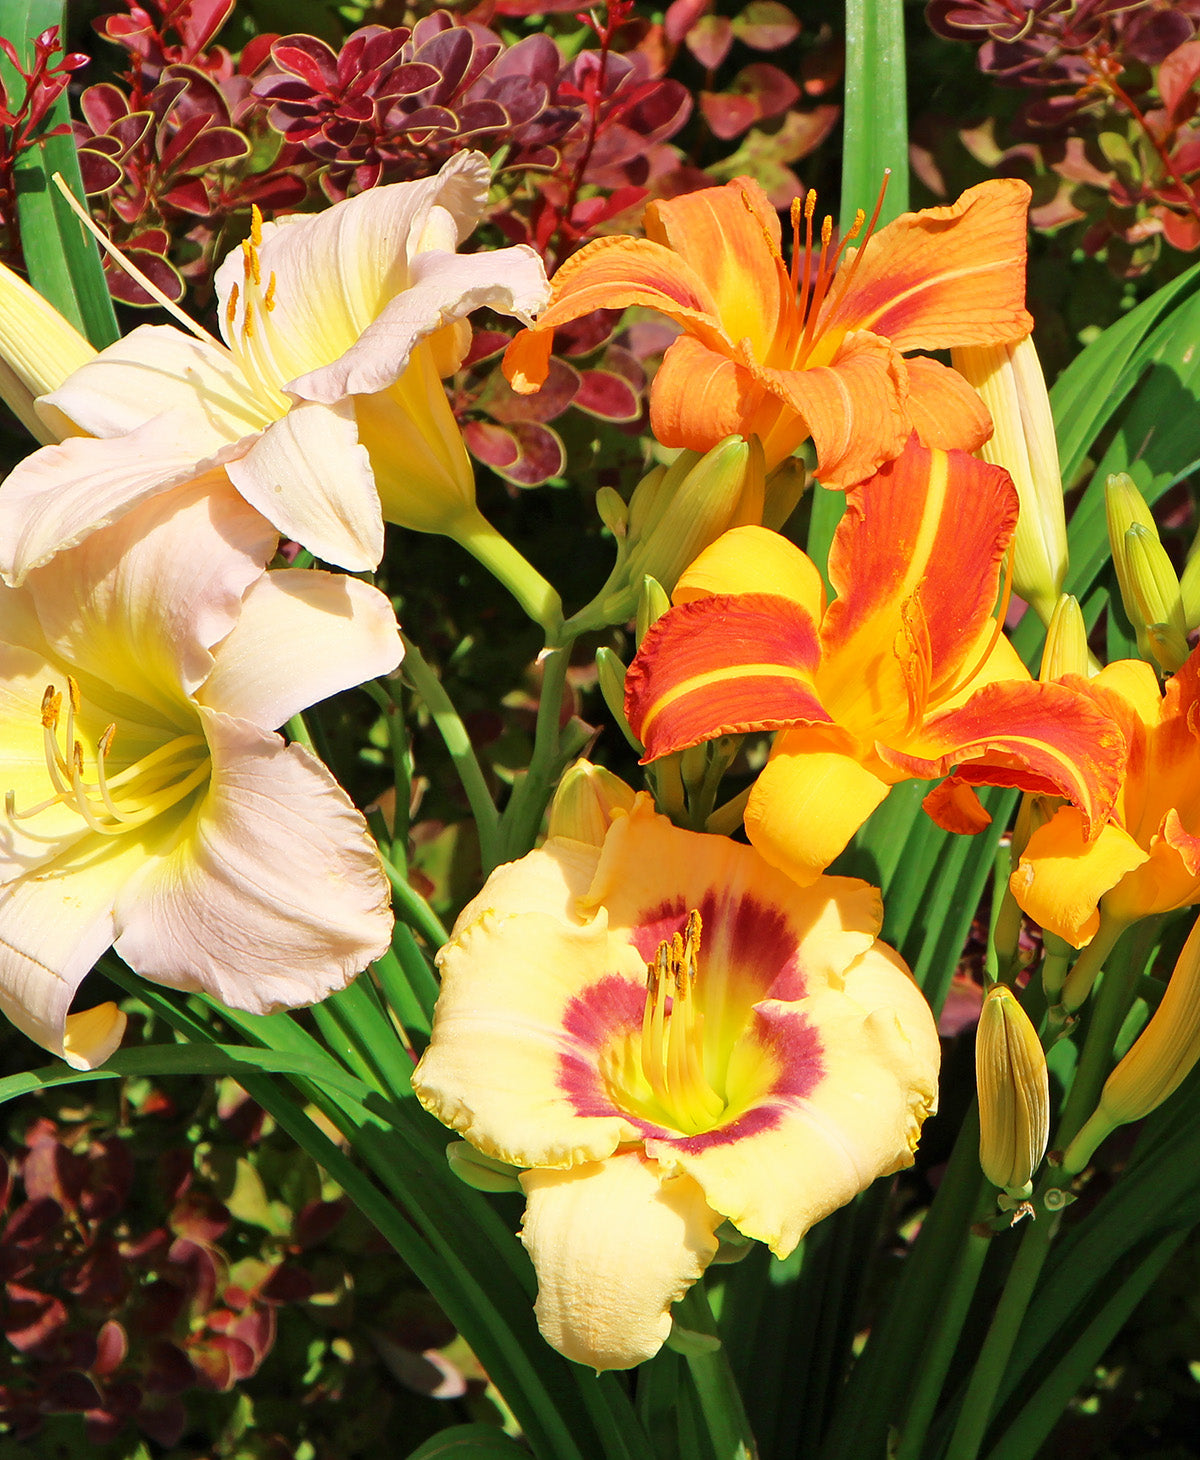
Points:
x=722, y=666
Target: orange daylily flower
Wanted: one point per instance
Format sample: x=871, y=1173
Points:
x=903, y=676
x=1146, y=859
x=815, y=350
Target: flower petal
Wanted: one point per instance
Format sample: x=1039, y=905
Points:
x=810, y=799
x=722, y=665
x=871, y=1066
x=915, y=560
x=701, y=395
x=853, y=407
x=754, y=560
x=443, y=287
x=1061, y=876
x=301, y=636
x=336, y=271
x=946, y=413
x=943, y=276
x=729, y=237
x=614, y=1245
x=272, y=896
x=148, y=597
x=309, y=475
x=53, y=499
x=158, y=368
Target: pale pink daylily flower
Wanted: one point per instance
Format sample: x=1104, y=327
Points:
x=325, y=406
x=149, y=803
x=667, y=1034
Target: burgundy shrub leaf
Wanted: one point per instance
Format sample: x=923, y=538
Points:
x=608, y=397
x=710, y=39
x=766, y=25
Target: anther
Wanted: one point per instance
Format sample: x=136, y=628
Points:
x=269, y=296
x=231, y=306
x=51, y=705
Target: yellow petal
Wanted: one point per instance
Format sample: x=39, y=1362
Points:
x=614, y=1245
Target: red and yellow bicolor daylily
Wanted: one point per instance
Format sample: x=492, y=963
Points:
x=814, y=349
x=666, y=1034
x=1146, y=858
x=904, y=675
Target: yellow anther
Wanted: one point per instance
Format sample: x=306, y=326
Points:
x=73, y=692
x=51, y=705
x=106, y=742
x=795, y=211
x=810, y=204
x=255, y=226
x=269, y=296
x=231, y=306
x=856, y=227
x=826, y=231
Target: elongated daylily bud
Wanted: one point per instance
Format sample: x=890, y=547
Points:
x=1014, y=1093
x=652, y=603
x=785, y=486
x=673, y=516
x=584, y=803
x=1189, y=586
x=1009, y=378
x=1066, y=650
x=1160, y=1060
x=39, y=349
x=1155, y=588
x=1126, y=509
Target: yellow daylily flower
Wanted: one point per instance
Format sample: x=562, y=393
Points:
x=666, y=1033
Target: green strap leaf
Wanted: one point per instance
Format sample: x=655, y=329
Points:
x=875, y=130
x=470, y=1442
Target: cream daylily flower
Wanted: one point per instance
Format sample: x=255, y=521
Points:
x=148, y=802
x=325, y=406
x=667, y=1033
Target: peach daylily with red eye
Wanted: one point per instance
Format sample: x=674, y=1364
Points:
x=1146, y=859
x=815, y=350
x=665, y=1034
x=903, y=676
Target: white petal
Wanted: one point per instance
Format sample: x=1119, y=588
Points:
x=334, y=271
x=273, y=896
x=310, y=476
x=53, y=499
x=139, y=605
x=445, y=287
x=301, y=637
x=614, y=1246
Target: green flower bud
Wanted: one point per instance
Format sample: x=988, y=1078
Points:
x=1014, y=1093
x=585, y=801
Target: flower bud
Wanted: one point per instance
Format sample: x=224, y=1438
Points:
x=610, y=673
x=1156, y=596
x=651, y=605
x=784, y=488
x=482, y=1172
x=674, y=514
x=1066, y=650
x=1010, y=381
x=614, y=512
x=38, y=350
x=1014, y=1093
x=585, y=801
x=1159, y=1061
x=1125, y=509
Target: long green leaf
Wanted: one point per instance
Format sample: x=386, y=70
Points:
x=469, y=1442
x=60, y=255
x=875, y=129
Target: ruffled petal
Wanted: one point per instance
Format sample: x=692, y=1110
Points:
x=811, y=797
x=854, y=407
x=729, y=237
x=272, y=895
x=309, y=475
x=754, y=560
x=512, y=1062
x=136, y=608
x=701, y=395
x=1062, y=876
x=615, y=273
x=915, y=562
x=614, y=1245
x=335, y=272
x=945, y=412
x=1040, y=737
x=158, y=368
x=943, y=276
x=443, y=287
x=301, y=636
x=720, y=666
x=858, y=1070
x=53, y=499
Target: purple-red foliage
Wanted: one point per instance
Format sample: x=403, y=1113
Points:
x=115, y=1305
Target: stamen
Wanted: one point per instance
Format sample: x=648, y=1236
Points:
x=672, y=1039
x=269, y=296
x=854, y=262
x=231, y=307
x=255, y=227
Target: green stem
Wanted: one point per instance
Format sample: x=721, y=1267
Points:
x=1095, y=1061
x=720, y=1400
x=1087, y=966
x=412, y=908
x=491, y=548
x=522, y=818
x=458, y=745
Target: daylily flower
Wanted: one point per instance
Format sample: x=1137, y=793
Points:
x=1146, y=858
x=325, y=406
x=666, y=1033
x=39, y=349
x=148, y=802
x=904, y=675
x=815, y=349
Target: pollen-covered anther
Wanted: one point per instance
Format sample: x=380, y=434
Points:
x=672, y=1046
